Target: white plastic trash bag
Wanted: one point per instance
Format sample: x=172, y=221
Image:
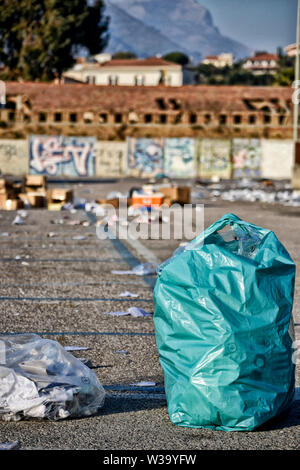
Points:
x=40, y=379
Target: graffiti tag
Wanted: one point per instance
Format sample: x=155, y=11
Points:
x=48, y=153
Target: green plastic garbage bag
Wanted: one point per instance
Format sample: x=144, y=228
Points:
x=224, y=328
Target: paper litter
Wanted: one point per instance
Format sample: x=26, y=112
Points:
x=128, y=294
x=133, y=311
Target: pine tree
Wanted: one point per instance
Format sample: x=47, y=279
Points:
x=38, y=38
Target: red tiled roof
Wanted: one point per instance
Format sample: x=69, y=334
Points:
x=149, y=62
x=265, y=57
x=80, y=60
x=85, y=97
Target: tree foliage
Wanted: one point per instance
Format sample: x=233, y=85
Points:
x=177, y=57
x=124, y=55
x=39, y=37
x=208, y=74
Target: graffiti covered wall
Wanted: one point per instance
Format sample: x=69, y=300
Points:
x=246, y=154
x=175, y=157
x=179, y=158
x=14, y=157
x=214, y=158
x=62, y=156
x=276, y=158
x=111, y=159
x=145, y=157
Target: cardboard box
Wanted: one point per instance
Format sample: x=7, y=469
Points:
x=14, y=204
x=8, y=204
x=36, y=181
x=179, y=194
x=3, y=199
x=35, y=199
x=7, y=187
x=55, y=206
x=34, y=184
x=9, y=193
x=17, y=188
x=113, y=202
x=59, y=195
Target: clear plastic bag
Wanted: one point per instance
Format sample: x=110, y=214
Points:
x=39, y=379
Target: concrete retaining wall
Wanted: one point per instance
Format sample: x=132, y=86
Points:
x=111, y=159
x=276, y=158
x=174, y=157
x=214, y=158
x=14, y=157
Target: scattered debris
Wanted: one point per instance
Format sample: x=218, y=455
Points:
x=23, y=214
x=143, y=269
x=144, y=383
x=18, y=220
x=95, y=208
x=115, y=195
x=133, y=311
x=265, y=191
x=57, y=221
x=76, y=348
x=128, y=294
x=79, y=237
x=121, y=351
x=73, y=222
x=134, y=211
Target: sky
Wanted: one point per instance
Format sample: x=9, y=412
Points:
x=259, y=24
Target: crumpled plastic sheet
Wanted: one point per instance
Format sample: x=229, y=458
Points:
x=40, y=379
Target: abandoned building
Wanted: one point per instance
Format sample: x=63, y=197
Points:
x=114, y=112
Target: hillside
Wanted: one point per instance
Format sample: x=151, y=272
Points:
x=151, y=27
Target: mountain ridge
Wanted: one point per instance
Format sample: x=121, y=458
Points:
x=121, y=27
x=156, y=27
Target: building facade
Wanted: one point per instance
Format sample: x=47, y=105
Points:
x=127, y=72
x=222, y=60
x=262, y=63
